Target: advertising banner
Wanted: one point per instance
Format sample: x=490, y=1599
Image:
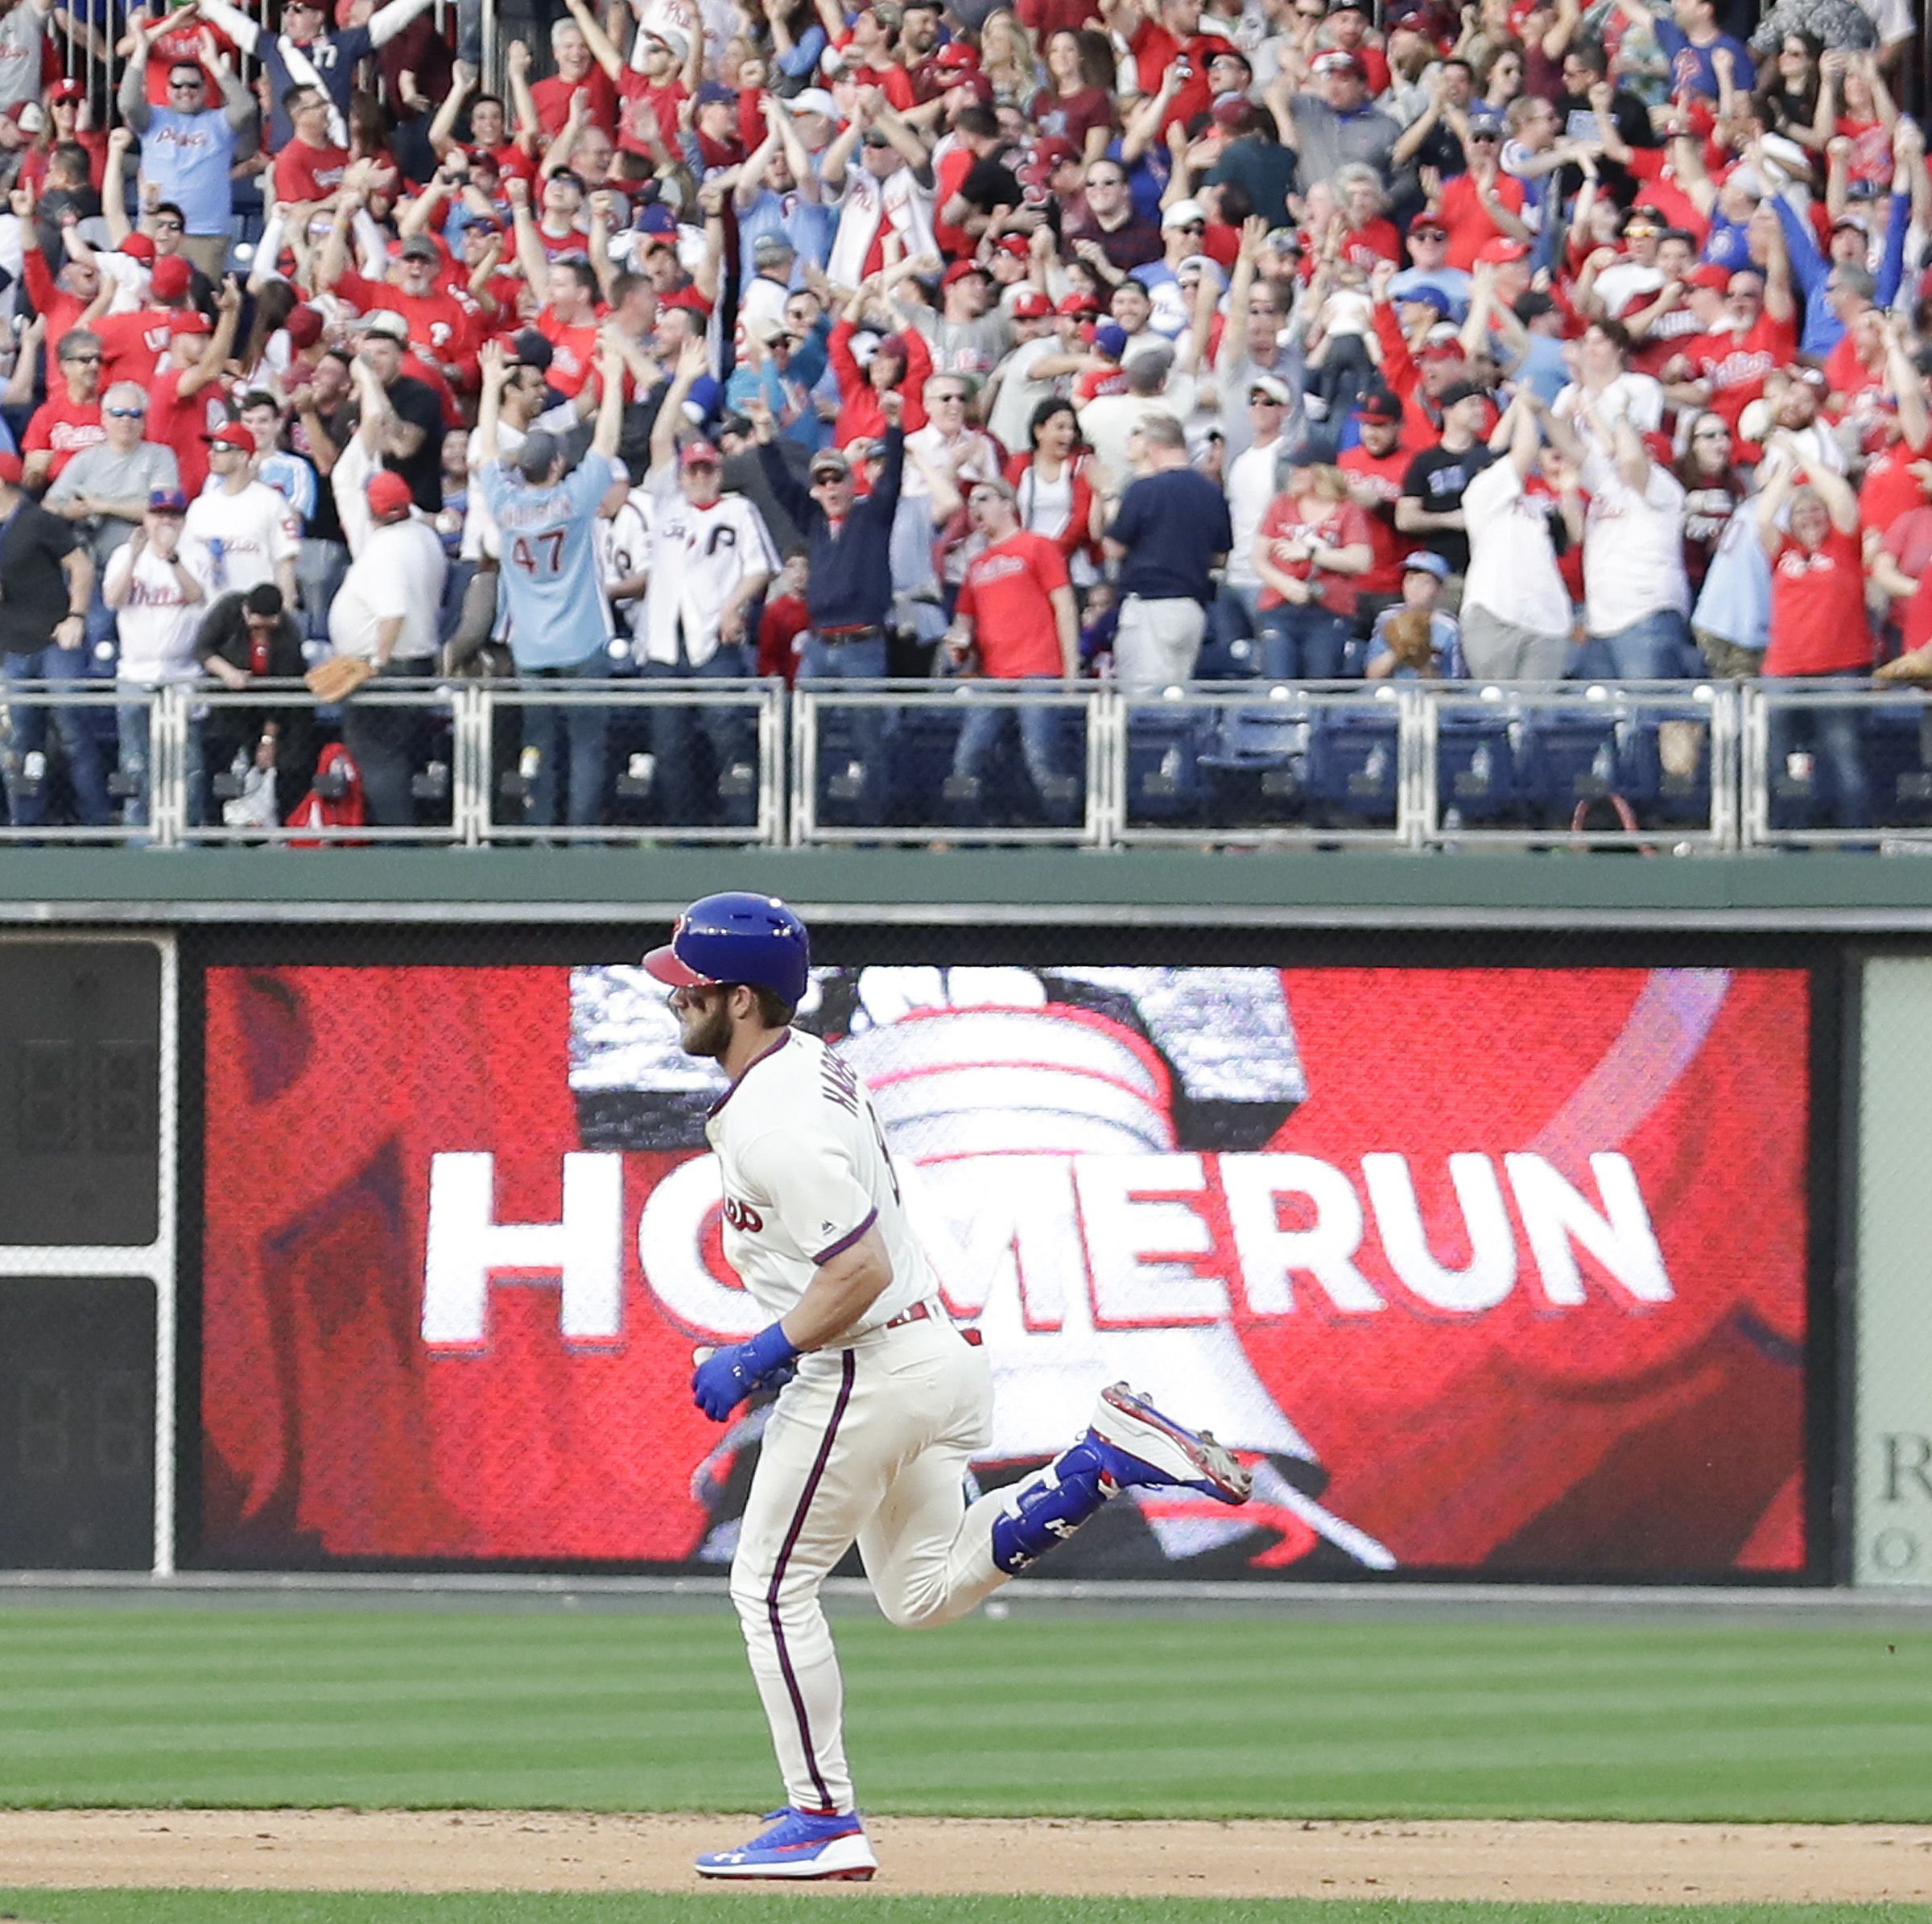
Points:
x=1487, y=1270
x=1891, y=1477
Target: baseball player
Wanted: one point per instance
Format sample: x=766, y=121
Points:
x=883, y=1401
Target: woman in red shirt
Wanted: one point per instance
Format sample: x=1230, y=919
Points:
x=1819, y=631
x=1311, y=548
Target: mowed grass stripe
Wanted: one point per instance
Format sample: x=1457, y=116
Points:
x=1108, y=1715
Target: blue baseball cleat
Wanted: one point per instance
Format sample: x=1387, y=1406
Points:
x=799, y=1845
x=1137, y=1445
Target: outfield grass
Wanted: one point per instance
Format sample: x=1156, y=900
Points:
x=748, y=1907
x=1065, y=1716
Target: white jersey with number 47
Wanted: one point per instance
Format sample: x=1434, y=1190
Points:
x=806, y=1173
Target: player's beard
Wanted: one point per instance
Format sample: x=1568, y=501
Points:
x=707, y=1030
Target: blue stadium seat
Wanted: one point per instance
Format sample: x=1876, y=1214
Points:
x=1898, y=766
x=1354, y=764
x=1163, y=772
x=1254, y=761
x=1567, y=758
x=1475, y=766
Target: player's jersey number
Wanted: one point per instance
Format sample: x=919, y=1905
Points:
x=541, y=554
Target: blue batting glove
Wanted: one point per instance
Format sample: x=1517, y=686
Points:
x=728, y=1376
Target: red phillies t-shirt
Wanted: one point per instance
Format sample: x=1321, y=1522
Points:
x=639, y=100
x=64, y=428
x=1467, y=221
x=437, y=320
x=1736, y=364
x=132, y=346
x=552, y=98
x=1006, y=595
x=306, y=173
x=1908, y=542
x=1333, y=524
x=573, y=352
x=1890, y=489
x=1818, y=608
x=180, y=424
x=1383, y=478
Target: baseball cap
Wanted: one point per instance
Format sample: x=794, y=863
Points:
x=189, y=320
x=1380, y=407
x=304, y=326
x=1274, y=389
x=1184, y=214
x=529, y=348
x=420, y=247
x=1423, y=562
x=62, y=90
x=1054, y=152
x=972, y=81
x=1425, y=294
x=29, y=117
x=715, y=93
x=1032, y=305
x=1428, y=222
x=1078, y=304
x=1462, y=390
x=830, y=460
x=814, y=100
x=173, y=276
x=1501, y=251
x=167, y=501
x=1811, y=377
x=955, y=55
x=772, y=247
x=1336, y=61
x=700, y=454
x=1015, y=244
x=1485, y=120
x=1711, y=275
x=232, y=434
x=139, y=247
x=1234, y=113
x=676, y=42
x=1441, y=350
x=388, y=495
x=387, y=323
x=1109, y=339
x=958, y=270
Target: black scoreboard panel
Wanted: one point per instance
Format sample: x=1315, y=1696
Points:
x=76, y=1422
x=80, y=1094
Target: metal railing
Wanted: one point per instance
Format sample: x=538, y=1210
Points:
x=1690, y=767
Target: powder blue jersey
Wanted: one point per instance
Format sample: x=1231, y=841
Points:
x=547, y=539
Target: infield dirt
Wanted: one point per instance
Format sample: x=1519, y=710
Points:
x=438, y=1851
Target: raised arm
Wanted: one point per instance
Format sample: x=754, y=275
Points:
x=443, y=129
x=389, y=21
x=132, y=99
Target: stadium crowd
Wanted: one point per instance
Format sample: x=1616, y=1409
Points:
x=1160, y=339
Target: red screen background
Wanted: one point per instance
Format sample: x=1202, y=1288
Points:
x=1607, y=1436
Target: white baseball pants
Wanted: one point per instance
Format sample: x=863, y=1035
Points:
x=867, y=1444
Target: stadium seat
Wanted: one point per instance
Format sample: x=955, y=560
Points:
x=1354, y=766
x=1475, y=765
x=1163, y=772
x=1253, y=760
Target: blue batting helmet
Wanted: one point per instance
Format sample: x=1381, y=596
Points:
x=754, y=940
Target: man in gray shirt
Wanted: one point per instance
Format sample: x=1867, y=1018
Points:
x=104, y=489
x=1336, y=127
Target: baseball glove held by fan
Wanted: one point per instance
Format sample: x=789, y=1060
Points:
x=339, y=677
